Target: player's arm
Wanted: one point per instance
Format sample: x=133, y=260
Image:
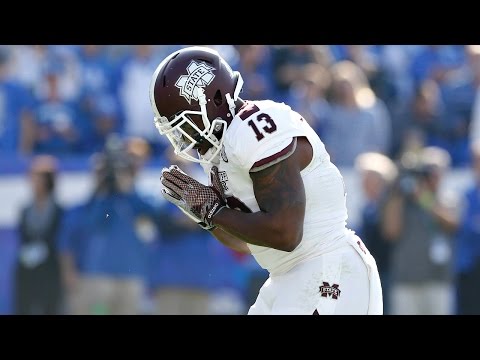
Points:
x=280, y=194
x=230, y=241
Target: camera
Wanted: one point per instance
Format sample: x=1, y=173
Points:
x=111, y=164
x=411, y=172
x=409, y=178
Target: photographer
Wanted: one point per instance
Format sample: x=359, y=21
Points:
x=421, y=224
x=104, y=242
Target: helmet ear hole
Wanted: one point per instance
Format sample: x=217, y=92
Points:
x=217, y=99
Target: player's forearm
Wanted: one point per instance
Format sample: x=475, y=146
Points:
x=231, y=241
x=260, y=228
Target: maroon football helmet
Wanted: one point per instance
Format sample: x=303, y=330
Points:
x=193, y=93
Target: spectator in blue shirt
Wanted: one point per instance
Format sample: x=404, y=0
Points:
x=98, y=104
x=256, y=68
x=436, y=62
x=15, y=109
x=356, y=117
x=105, y=241
x=307, y=95
x=55, y=126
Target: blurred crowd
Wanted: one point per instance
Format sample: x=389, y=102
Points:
x=65, y=99
x=400, y=115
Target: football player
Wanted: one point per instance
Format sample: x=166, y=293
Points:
x=273, y=191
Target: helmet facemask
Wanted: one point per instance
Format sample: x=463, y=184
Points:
x=179, y=132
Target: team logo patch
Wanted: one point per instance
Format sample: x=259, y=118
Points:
x=223, y=154
x=326, y=290
x=199, y=76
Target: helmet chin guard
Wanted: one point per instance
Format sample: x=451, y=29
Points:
x=183, y=143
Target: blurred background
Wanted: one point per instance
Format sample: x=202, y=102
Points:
x=84, y=229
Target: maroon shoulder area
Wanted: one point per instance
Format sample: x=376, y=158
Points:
x=261, y=164
x=247, y=109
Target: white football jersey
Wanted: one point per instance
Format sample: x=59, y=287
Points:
x=262, y=134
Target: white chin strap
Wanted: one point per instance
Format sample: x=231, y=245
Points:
x=231, y=104
x=202, y=101
x=236, y=92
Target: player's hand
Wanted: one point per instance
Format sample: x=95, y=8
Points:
x=174, y=198
x=198, y=201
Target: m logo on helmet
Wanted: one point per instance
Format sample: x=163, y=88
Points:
x=199, y=75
